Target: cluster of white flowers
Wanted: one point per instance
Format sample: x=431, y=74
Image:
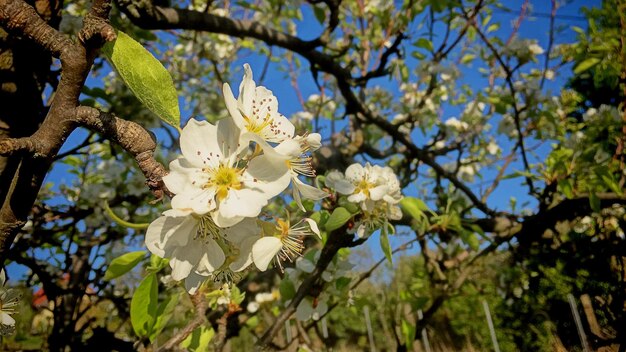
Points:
x=9, y=300
x=377, y=191
x=227, y=173
x=262, y=298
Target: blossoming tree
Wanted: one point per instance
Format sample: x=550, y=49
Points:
x=411, y=122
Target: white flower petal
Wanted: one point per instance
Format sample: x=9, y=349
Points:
x=242, y=203
x=198, y=143
x=378, y=192
x=183, y=175
x=266, y=169
x=166, y=232
x=355, y=173
x=264, y=250
x=6, y=319
x=183, y=260
x=247, y=90
x=307, y=191
x=242, y=231
x=222, y=221
x=232, y=106
x=199, y=200
x=313, y=226
x=193, y=282
x=212, y=258
x=245, y=254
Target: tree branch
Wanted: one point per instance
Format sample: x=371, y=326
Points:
x=200, y=306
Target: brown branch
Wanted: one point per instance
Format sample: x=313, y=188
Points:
x=17, y=16
x=200, y=306
x=516, y=110
x=21, y=19
x=135, y=139
x=312, y=285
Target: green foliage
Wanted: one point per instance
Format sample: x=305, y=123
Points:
x=123, y=264
x=145, y=76
x=199, y=339
x=144, y=306
x=337, y=219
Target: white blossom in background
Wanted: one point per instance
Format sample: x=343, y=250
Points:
x=493, y=148
x=455, y=125
x=535, y=49
x=377, y=191
x=9, y=299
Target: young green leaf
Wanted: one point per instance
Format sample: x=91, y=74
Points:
x=199, y=339
x=143, y=306
x=163, y=314
x=586, y=65
x=414, y=207
x=339, y=217
x=145, y=76
x=408, y=331
x=384, y=244
x=123, y=264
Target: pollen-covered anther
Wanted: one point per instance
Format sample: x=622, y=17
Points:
x=302, y=165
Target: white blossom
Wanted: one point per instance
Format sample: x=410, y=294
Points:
x=9, y=299
x=284, y=243
x=256, y=110
x=211, y=176
x=196, y=245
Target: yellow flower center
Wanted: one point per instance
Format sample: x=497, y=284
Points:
x=255, y=125
x=282, y=227
x=363, y=186
x=224, y=178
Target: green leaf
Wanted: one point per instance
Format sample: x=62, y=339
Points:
x=424, y=43
x=384, y=244
x=337, y=219
x=467, y=58
x=143, y=306
x=319, y=13
x=493, y=27
x=145, y=76
x=236, y=295
x=566, y=186
x=123, y=264
x=342, y=283
x=199, y=339
x=287, y=289
x=163, y=314
x=408, y=331
x=414, y=207
x=594, y=202
x=586, y=65
x=609, y=180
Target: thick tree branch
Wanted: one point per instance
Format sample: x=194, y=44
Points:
x=76, y=59
x=136, y=140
